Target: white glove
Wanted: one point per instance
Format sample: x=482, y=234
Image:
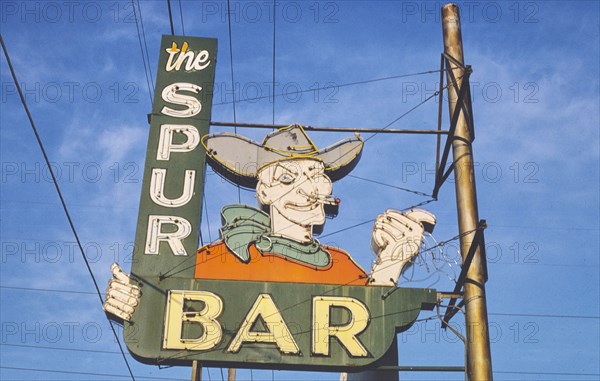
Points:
x=121, y=296
x=396, y=240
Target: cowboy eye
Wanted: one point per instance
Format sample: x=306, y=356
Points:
x=286, y=178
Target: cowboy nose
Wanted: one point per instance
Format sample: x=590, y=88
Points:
x=322, y=185
x=308, y=187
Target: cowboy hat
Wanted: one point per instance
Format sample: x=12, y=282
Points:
x=239, y=159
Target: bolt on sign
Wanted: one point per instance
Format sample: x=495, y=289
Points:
x=267, y=294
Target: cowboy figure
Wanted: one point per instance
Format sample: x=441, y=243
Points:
x=275, y=242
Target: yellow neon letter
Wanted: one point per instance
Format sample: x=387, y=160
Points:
x=278, y=332
x=176, y=316
x=346, y=334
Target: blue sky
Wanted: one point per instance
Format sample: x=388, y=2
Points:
x=535, y=90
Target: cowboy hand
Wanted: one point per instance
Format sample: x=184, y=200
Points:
x=121, y=296
x=396, y=240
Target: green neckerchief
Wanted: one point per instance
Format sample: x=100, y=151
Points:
x=244, y=225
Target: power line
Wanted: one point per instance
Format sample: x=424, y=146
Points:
x=86, y=373
x=146, y=45
x=333, y=85
x=47, y=290
x=223, y=378
x=548, y=373
x=148, y=79
x=438, y=92
x=181, y=16
x=58, y=191
x=546, y=315
x=232, y=81
x=171, y=17
x=589, y=267
x=274, y=46
x=60, y=348
x=373, y=220
x=348, y=228
x=207, y=218
x=54, y=204
x=541, y=227
x=390, y=186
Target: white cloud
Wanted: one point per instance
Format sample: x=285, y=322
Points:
x=117, y=143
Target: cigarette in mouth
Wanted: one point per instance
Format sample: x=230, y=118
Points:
x=323, y=199
x=329, y=200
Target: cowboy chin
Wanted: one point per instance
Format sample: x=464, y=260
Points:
x=274, y=242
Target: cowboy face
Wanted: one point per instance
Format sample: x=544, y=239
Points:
x=296, y=189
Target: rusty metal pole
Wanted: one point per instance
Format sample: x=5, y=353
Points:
x=231, y=374
x=479, y=363
x=196, y=371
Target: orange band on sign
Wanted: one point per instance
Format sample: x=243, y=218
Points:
x=215, y=261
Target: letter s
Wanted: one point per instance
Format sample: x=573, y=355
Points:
x=171, y=94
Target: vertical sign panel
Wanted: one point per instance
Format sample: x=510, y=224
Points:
x=172, y=189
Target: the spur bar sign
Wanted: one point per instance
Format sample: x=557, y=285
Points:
x=270, y=325
x=233, y=323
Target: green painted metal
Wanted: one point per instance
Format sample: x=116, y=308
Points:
x=154, y=265
x=390, y=313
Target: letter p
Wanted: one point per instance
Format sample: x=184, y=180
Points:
x=409, y=169
x=9, y=328
x=409, y=8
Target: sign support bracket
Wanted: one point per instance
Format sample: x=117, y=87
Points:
x=464, y=97
x=478, y=242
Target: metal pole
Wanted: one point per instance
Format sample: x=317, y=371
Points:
x=331, y=129
x=196, y=371
x=479, y=363
x=231, y=374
